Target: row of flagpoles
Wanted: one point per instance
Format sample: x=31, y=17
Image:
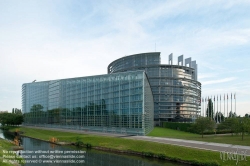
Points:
x=218, y=112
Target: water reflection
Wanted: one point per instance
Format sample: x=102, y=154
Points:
x=6, y=135
x=39, y=151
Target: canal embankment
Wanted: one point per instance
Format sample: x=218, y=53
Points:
x=137, y=147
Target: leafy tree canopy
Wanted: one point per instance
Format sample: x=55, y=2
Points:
x=11, y=119
x=202, y=124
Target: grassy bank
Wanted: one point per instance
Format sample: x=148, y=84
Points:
x=195, y=156
x=5, y=146
x=226, y=139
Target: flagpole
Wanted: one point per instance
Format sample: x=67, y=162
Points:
x=220, y=108
x=227, y=105
x=207, y=108
x=210, y=113
x=203, y=107
x=205, y=103
x=231, y=106
x=214, y=109
x=235, y=101
x=217, y=109
x=224, y=107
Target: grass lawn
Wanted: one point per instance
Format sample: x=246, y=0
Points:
x=227, y=139
x=5, y=145
x=171, y=151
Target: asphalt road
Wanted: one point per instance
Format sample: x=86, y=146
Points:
x=219, y=147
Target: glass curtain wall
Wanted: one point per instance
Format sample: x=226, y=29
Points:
x=117, y=103
x=175, y=91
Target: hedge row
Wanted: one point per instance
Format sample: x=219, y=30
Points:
x=187, y=128
x=177, y=126
x=217, y=132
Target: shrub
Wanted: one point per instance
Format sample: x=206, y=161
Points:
x=177, y=126
x=6, y=128
x=161, y=156
x=78, y=141
x=88, y=145
x=217, y=132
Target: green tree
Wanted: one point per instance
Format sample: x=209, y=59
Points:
x=18, y=119
x=243, y=126
x=230, y=124
x=11, y=119
x=202, y=124
x=210, y=110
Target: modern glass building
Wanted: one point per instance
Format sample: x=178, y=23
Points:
x=137, y=93
x=175, y=88
x=116, y=103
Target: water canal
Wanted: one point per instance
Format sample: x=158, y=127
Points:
x=42, y=153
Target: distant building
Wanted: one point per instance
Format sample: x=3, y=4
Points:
x=137, y=91
x=175, y=88
x=3, y=112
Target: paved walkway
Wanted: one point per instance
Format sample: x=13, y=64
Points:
x=179, y=142
x=198, y=144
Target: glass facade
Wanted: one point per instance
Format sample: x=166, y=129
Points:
x=176, y=91
x=116, y=103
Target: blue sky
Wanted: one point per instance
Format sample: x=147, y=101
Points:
x=46, y=40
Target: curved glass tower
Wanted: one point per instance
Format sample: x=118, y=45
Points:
x=175, y=88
